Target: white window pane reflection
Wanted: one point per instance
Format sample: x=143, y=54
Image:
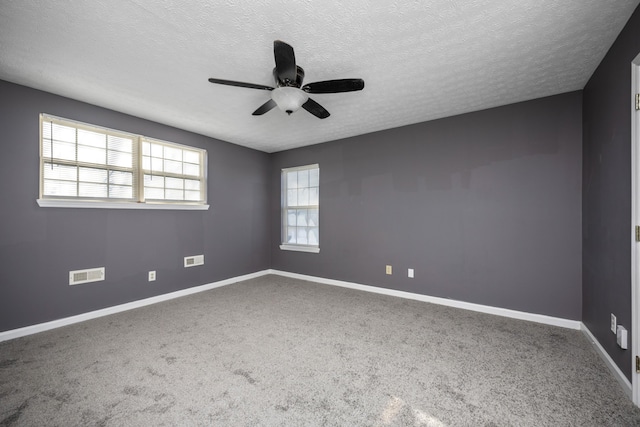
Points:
x=292, y=179
x=156, y=164
x=191, y=169
x=62, y=172
x=313, y=196
x=93, y=175
x=64, y=133
x=121, y=178
x=120, y=158
x=120, y=144
x=193, y=196
x=156, y=150
x=174, y=183
x=191, y=157
x=174, y=194
x=92, y=155
x=154, y=193
x=303, y=196
x=292, y=197
x=303, y=179
x=302, y=217
x=191, y=184
x=46, y=148
x=93, y=139
x=60, y=188
x=291, y=217
x=312, y=218
x=172, y=153
x=154, y=181
x=120, y=192
x=302, y=236
x=313, y=236
x=60, y=150
x=173, y=166
x=86, y=189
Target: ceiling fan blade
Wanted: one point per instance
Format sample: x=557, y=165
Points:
x=334, y=86
x=316, y=109
x=240, y=84
x=267, y=106
x=285, y=62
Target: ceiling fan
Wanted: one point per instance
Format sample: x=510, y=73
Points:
x=289, y=94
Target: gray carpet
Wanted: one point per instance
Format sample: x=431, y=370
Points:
x=275, y=351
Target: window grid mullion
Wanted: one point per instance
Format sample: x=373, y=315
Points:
x=169, y=175
x=89, y=165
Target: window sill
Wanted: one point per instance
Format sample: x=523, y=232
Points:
x=300, y=248
x=87, y=204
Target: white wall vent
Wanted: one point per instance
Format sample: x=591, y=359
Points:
x=192, y=261
x=78, y=277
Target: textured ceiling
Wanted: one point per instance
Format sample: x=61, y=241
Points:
x=420, y=60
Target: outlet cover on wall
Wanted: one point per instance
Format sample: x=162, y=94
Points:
x=152, y=276
x=410, y=273
x=621, y=337
x=388, y=270
x=614, y=322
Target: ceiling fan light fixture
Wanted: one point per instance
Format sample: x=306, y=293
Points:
x=289, y=99
x=289, y=94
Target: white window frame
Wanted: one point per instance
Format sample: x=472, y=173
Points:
x=285, y=205
x=138, y=201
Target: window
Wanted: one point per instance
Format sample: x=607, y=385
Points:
x=300, y=208
x=171, y=172
x=88, y=166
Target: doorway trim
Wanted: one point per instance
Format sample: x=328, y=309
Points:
x=635, y=221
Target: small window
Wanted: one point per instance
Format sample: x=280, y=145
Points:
x=171, y=172
x=300, y=208
x=83, y=165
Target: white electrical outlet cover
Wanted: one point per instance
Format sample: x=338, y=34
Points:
x=621, y=337
x=613, y=323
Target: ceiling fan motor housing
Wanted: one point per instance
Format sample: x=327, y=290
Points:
x=297, y=83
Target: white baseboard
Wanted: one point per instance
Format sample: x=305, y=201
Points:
x=514, y=314
x=41, y=327
x=617, y=373
x=538, y=318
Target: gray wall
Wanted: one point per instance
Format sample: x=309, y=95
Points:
x=607, y=193
x=486, y=207
x=39, y=246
